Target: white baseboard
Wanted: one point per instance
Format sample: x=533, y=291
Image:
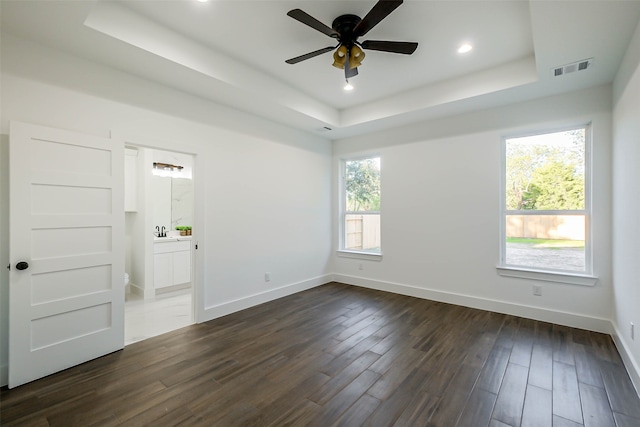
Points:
x=560, y=318
x=629, y=362
x=143, y=292
x=213, y=312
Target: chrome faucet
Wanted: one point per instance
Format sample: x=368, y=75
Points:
x=163, y=233
x=158, y=231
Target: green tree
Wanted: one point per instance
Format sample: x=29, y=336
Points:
x=522, y=161
x=559, y=186
x=363, y=185
x=546, y=174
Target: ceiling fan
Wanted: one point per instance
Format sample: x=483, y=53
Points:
x=347, y=29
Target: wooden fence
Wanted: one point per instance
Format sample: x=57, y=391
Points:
x=362, y=232
x=569, y=227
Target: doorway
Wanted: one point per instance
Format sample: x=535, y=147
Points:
x=159, y=255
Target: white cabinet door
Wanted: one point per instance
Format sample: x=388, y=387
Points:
x=66, y=291
x=163, y=270
x=172, y=263
x=181, y=267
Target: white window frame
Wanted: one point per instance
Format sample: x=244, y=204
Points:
x=342, y=212
x=585, y=278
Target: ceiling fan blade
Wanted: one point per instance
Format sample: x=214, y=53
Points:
x=309, y=20
x=406, y=48
x=309, y=55
x=375, y=15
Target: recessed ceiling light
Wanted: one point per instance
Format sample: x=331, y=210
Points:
x=203, y=1
x=465, y=48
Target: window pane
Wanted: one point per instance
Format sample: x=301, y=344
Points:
x=546, y=241
x=546, y=172
x=362, y=205
x=545, y=175
x=362, y=185
x=362, y=232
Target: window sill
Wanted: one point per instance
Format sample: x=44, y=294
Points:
x=548, y=276
x=359, y=255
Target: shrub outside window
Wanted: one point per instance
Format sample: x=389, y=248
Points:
x=545, y=198
x=360, y=205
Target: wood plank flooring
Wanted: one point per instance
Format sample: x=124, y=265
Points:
x=338, y=355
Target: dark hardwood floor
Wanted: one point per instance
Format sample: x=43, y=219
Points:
x=344, y=356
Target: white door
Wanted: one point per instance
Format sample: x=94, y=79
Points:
x=66, y=291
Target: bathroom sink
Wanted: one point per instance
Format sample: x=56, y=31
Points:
x=170, y=238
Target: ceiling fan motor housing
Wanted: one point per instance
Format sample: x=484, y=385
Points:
x=344, y=24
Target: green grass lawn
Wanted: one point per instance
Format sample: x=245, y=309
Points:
x=548, y=243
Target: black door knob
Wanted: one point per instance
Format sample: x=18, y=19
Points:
x=22, y=265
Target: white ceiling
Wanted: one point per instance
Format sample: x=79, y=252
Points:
x=233, y=53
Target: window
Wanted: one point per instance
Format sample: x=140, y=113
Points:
x=360, y=206
x=545, y=199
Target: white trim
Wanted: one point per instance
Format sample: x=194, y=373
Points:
x=199, y=175
x=550, y=212
x=342, y=202
x=587, y=212
x=225, y=308
x=372, y=256
x=573, y=320
x=548, y=276
x=633, y=369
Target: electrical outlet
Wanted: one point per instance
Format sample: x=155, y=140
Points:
x=632, y=330
x=267, y=277
x=537, y=290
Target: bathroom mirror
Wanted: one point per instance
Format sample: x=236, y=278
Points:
x=172, y=200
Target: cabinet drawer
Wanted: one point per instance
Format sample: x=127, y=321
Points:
x=165, y=247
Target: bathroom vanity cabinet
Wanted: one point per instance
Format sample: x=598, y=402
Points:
x=171, y=262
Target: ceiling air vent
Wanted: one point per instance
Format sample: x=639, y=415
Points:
x=573, y=67
x=324, y=129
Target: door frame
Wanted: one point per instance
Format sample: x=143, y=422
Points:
x=199, y=178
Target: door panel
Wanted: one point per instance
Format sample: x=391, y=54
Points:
x=67, y=222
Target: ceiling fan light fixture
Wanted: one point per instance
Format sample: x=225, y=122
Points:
x=340, y=57
x=356, y=56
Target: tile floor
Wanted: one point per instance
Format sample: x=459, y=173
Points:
x=149, y=318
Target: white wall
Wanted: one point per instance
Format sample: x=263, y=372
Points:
x=441, y=212
x=626, y=207
x=265, y=192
